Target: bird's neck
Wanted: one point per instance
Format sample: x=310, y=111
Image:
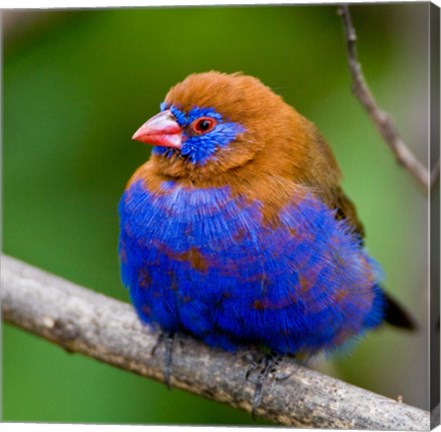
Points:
x=271, y=192
x=216, y=173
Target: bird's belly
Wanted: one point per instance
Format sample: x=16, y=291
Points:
x=206, y=263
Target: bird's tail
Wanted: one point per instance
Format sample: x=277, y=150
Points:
x=395, y=315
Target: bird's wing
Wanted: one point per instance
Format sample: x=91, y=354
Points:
x=324, y=177
x=318, y=170
x=338, y=200
x=394, y=313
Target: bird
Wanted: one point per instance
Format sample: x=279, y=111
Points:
x=237, y=231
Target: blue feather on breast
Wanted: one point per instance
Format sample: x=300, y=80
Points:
x=205, y=262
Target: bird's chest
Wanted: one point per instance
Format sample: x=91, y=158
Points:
x=209, y=243
x=205, y=261
x=189, y=231
x=188, y=250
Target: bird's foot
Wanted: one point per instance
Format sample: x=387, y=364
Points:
x=265, y=366
x=167, y=339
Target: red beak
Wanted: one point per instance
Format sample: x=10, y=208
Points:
x=161, y=130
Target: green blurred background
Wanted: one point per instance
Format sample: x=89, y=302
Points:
x=77, y=84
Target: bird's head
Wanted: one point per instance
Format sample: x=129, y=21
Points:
x=212, y=123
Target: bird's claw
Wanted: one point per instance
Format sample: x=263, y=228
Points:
x=158, y=342
x=167, y=338
x=267, y=365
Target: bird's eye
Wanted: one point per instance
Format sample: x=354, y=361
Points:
x=203, y=125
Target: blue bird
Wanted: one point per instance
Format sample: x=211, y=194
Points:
x=237, y=232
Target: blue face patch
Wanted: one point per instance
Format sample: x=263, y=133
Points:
x=199, y=148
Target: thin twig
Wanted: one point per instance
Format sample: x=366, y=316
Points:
x=83, y=321
x=381, y=119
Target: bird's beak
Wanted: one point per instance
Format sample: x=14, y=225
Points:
x=161, y=130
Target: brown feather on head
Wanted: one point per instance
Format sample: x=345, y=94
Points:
x=239, y=98
x=283, y=142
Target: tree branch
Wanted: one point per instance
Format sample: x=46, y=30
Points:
x=108, y=330
x=381, y=119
